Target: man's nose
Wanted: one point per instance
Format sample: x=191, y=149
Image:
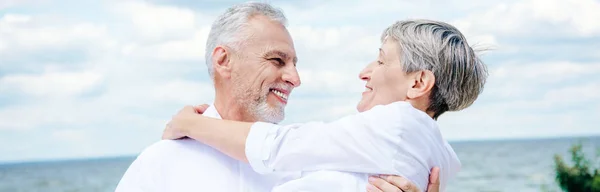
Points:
x=291, y=76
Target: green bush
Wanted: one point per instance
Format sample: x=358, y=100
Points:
x=579, y=177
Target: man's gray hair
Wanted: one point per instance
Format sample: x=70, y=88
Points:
x=228, y=28
x=439, y=47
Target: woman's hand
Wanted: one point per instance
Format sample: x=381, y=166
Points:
x=226, y=136
x=186, y=118
x=397, y=183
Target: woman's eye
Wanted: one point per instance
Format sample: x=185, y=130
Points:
x=379, y=62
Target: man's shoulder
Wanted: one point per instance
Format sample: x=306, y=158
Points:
x=175, y=156
x=173, y=148
x=166, y=145
x=176, y=165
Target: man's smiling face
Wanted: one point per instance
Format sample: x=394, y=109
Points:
x=266, y=73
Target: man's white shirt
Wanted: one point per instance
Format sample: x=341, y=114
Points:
x=188, y=165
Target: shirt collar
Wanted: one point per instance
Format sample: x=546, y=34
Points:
x=211, y=111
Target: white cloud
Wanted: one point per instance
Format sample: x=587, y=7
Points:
x=157, y=22
x=13, y=3
x=72, y=135
x=129, y=106
x=330, y=82
x=502, y=120
x=547, y=72
x=191, y=48
x=319, y=39
x=35, y=115
x=338, y=49
x=183, y=92
x=9, y=19
x=579, y=14
x=519, y=80
x=26, y=32
x=530, y=100
x=51, y=84
x=339, y=11
x=537, y=17
x=588, y=92
x=3, y=46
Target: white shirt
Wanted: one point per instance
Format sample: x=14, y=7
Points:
x=188, y=165
x=394, y=139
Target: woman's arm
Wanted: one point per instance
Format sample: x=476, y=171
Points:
x=364, y=142
x=232, y=137
x=226, y=136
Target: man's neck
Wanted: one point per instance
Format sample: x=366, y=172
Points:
x=229, y=109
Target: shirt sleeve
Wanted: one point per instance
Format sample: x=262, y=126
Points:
x=366, y=142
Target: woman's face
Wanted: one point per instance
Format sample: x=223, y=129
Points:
x=386, y=81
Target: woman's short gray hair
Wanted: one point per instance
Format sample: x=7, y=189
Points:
x=228, y=28
x=442, y=49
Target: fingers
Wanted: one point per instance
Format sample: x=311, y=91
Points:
x=372, y=188
x=175, y=128
x=167, y=133
x=201, y=108
x=196, y=109
x=189, y=108
x=186, y=109
x=434, y=180
x=402, y=183
x=382, y=185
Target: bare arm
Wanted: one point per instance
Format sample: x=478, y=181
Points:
x=226, y=136
x=365, y=142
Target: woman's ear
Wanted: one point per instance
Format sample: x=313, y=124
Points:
x=221, y=58
x=423, y=82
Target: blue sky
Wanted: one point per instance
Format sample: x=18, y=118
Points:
x=102, y=78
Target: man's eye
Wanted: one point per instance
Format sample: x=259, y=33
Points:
x=278, y=61
x=379, y=62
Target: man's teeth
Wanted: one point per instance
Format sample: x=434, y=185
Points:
x=280, y=94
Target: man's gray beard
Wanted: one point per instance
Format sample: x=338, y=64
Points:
x=265, y=113
x=257, y=107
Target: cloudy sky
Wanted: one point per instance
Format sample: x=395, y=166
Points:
x=101, y=78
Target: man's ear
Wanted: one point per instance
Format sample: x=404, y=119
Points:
x=221, y=58
x=423, y=82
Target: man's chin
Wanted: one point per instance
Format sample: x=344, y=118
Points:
x=271, y=114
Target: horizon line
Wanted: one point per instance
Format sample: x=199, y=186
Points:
x=122, y=156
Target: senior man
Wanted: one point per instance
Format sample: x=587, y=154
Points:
x=251, y=59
